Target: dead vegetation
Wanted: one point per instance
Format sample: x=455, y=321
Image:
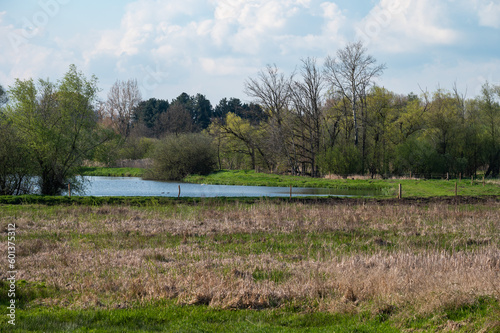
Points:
x=342, y=258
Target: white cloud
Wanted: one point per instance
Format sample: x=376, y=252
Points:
x=406, y=25
x=227, y=66
x=334, y=17
x=25, y=56
x=489, y=14
x=468, y=75
x=215, y=45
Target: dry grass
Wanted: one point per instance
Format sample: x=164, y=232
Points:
x=393, y=259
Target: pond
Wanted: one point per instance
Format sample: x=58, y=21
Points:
x=132, y=186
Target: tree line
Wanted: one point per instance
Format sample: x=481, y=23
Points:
x=320, y=119
x=334, y=119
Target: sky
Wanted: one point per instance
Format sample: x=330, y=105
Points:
x=211, y=47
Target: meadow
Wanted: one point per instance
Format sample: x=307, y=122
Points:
x=256, y=265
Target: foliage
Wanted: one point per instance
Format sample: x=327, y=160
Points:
x=58, y=125
x=16, y=167
x=147, y=114
x=199, y=108
x=136, y=148
x=252, y=112
x=3, y=96
x=340, y=160
x=236, y=137
x=175, y=157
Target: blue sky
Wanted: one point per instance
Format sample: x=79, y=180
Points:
x=211, y=47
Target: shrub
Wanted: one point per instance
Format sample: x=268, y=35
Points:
x=177, y=156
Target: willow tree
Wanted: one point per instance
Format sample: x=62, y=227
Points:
x=57, y=123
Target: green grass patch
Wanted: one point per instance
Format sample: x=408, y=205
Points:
x=481, y=315
x=112, y=172
x=252, y=178
x=170, y=317
x=381, y=188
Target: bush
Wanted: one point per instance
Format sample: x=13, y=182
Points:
x=177, y=156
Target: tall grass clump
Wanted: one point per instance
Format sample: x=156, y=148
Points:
x=177, y=156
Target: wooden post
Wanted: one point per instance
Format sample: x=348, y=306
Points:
x=483, y=180
x=447, y=176
x=69, y=190
x=400, y=191
x=456, y=189
x=179, y=195
x=471, y=180
x=290, y=191
x=460, y=176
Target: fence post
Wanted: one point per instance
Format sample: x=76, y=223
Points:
x=400, y=191
x=471, y=180
x=447, y=176
x=290, y=191
x=179, y=195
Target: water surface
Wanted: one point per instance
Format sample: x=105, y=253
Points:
x=134, y=186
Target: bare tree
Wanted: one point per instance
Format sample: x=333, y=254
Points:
x=307, y=100
x=350, y=74
x=271, y=90
x=123, y=98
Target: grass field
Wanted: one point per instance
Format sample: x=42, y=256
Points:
x=256, y=266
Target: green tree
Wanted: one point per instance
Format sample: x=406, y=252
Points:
x=383, y=112
x=444, y=131
x=344, y=160
x=58, y=124
x=3, y=96
x=252, y=112
x=202, y=112
x=237, y=135
x=490, y=110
